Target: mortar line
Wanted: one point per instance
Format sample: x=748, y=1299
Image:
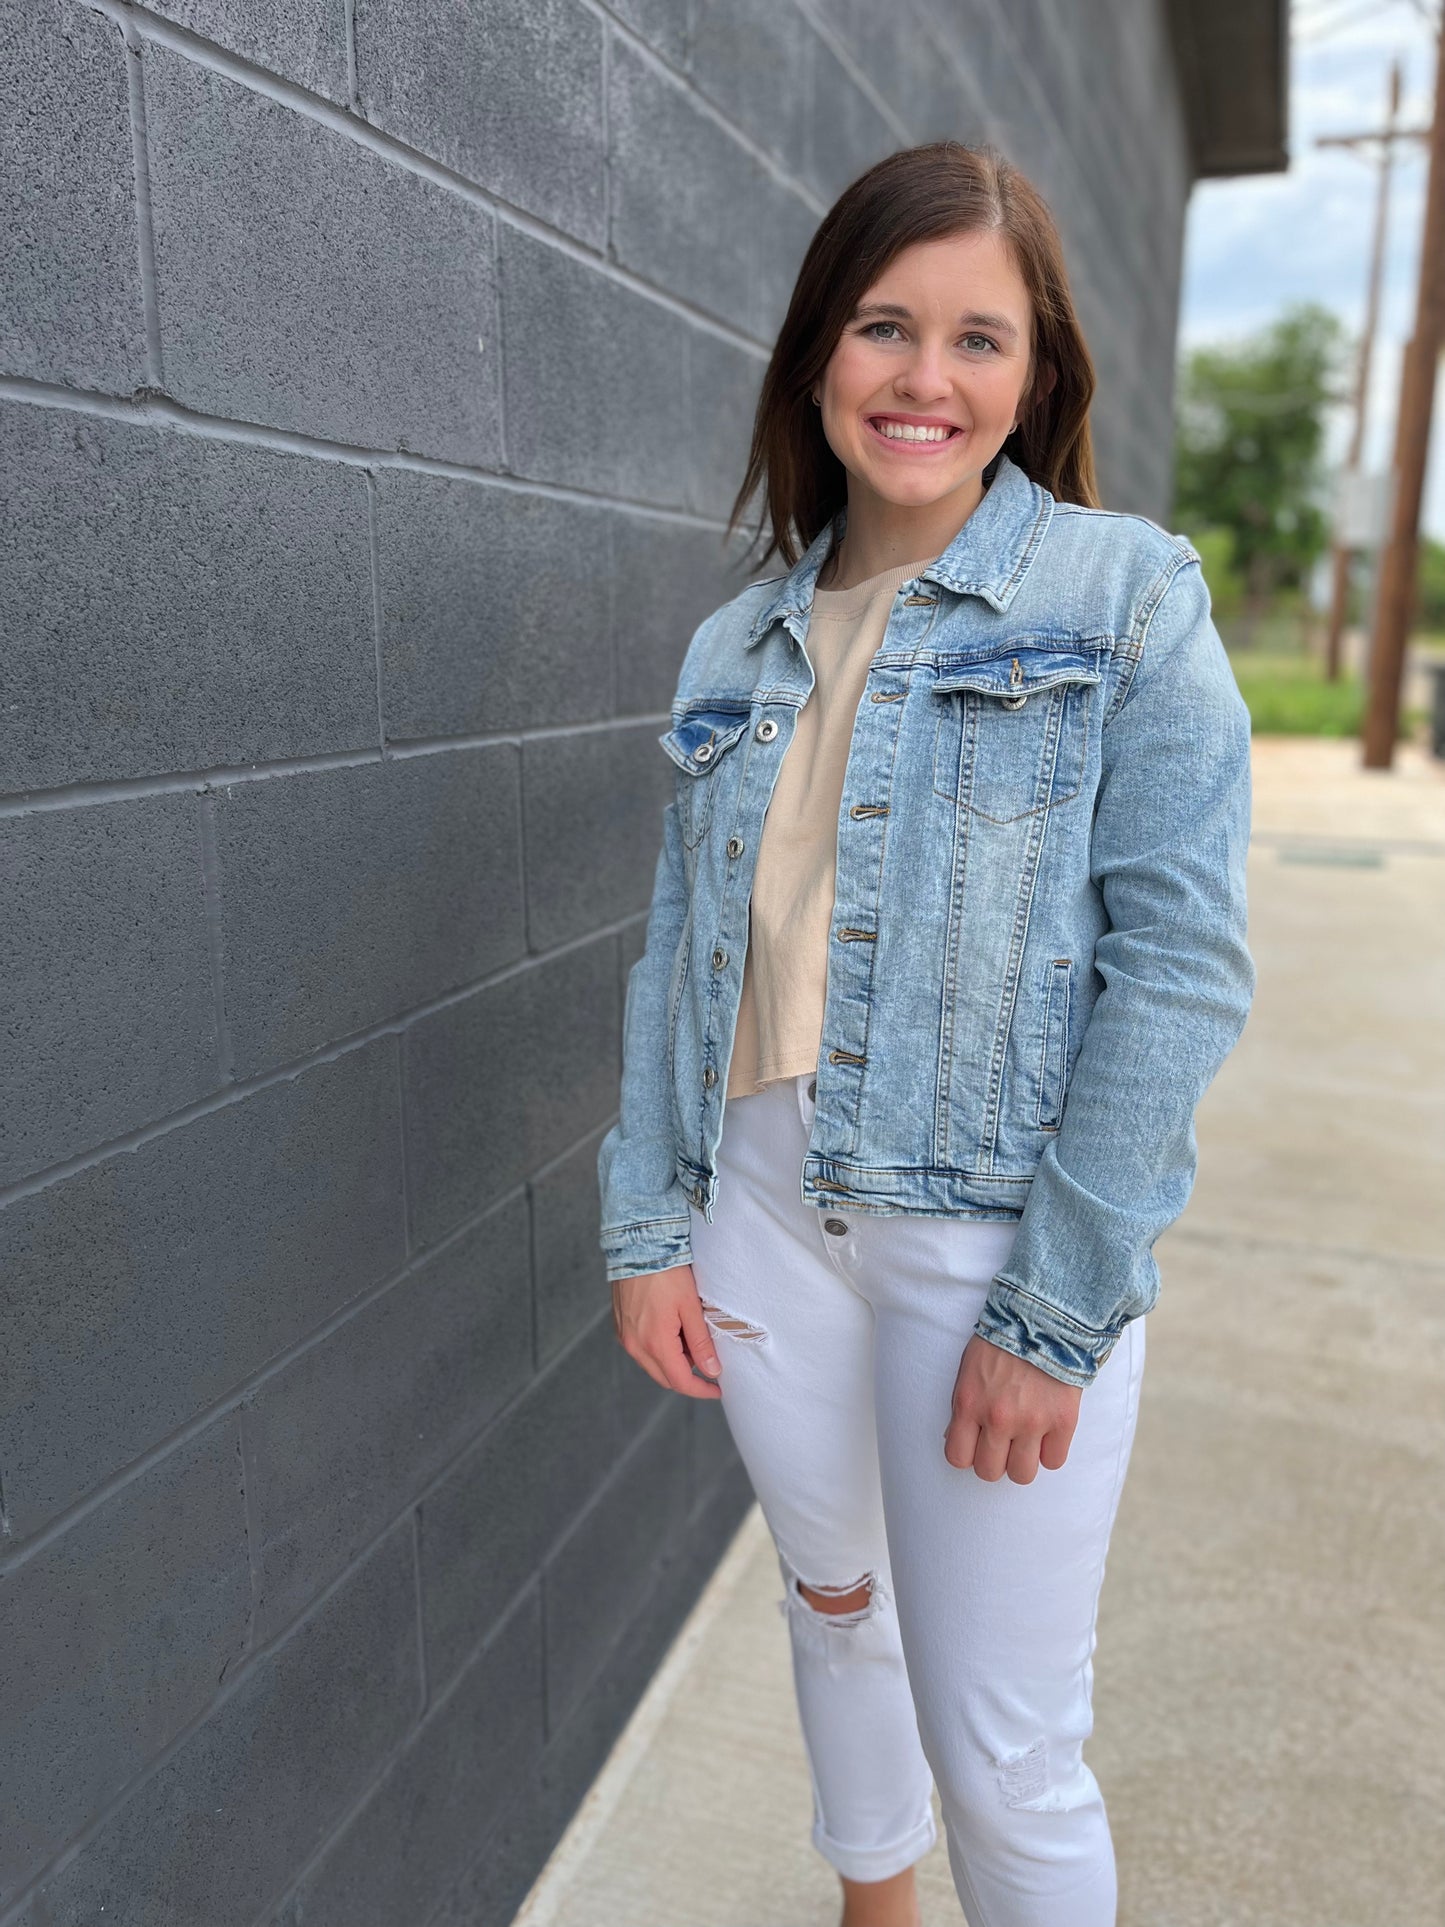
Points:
x=373, y=551
x=253, y=1537
x=290, y=1073
x=161, y=411
x=145, y=228
x=130, y=789
x=215, y=935
x=425, y=1683
x=339, y=120
x=353, y=84
x=408, y=1240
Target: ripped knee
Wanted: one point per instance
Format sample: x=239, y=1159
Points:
x=839, y=1600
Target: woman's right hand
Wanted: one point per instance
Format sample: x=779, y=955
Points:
x=659, y=1323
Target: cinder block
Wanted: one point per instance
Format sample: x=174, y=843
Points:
x=135, y=1293
x=665, y=576
x=351, y=895
x=173, y=603
x=687, y=199
x=601, y=1572
x=593, y=808
x=112, y=1640
x=396, y=1858
x=503, y=1081
x=662, y=23
x=508, y=95
x=106, y=1005
x=596, y=378
x=753, y=60
x=305, y=282
x=70, y=296
x=256, y=1790
x=339, y=1442
x=495, y=607
x=494, y=1885
x=723, y=384
x=848, y=133
x=494, y=1519
x=569, y=1279
x=304, y=41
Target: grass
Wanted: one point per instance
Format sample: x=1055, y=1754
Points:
x=1288, y=695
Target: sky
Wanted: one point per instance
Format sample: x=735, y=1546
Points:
x=1255, y=243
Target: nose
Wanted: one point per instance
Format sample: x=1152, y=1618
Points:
x=924, y=377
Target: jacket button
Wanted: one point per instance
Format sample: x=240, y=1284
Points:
x=813, y=1088
x=719, y=958
x=766, y=730
x=709, y=1077
x=703, y=753
x=1014, y=702
x=735, y=846
x=835, y=1225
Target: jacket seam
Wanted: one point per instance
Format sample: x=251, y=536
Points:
x=1057, y=1311
x=1132, y=653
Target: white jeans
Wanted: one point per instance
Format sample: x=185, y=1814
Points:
x=840, y=1336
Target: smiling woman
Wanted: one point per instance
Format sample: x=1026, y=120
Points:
x=948, y=927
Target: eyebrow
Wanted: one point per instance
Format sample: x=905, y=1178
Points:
x=972, y=319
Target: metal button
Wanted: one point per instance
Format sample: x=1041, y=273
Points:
x=835, y=1225
x=719, y=958
x=766, y=730
x=735, y=846
x=702, y=753
x=1014, y=702
x=813, y=1088
x=709, y=1077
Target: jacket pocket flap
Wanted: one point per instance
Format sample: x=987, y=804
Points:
x=1016, y=676
x=696, y=740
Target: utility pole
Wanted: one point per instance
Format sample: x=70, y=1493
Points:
x=1340, y=583
x=1399, y=565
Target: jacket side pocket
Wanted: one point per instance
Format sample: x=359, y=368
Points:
x=1054, y=1054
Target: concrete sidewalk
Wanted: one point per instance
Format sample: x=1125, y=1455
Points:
x=1270, y=1677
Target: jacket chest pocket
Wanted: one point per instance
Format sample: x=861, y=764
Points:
x=1012, y=733
x=699, y=743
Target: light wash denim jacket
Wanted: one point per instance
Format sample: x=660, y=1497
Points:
x=1038, y=958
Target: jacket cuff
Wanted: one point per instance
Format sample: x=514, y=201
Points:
x=1040, y=1334
x=654, y=1246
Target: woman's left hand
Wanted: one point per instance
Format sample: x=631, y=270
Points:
x=1008, y=1416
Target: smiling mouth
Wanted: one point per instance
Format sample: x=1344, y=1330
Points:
x=905, y=435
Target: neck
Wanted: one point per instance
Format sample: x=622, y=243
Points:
x=881, y=535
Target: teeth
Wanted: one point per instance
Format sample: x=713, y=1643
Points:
x=906, y=432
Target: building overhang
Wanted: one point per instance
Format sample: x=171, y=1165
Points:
x=1234, y=70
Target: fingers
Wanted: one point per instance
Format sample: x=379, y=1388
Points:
x=698, y=1340
x=960, y=1441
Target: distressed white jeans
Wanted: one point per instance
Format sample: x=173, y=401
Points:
x=840, y=1336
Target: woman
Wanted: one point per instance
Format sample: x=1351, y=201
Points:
x=950, y=916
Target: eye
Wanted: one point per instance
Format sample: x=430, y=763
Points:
x=869, y=326
x=987, y=340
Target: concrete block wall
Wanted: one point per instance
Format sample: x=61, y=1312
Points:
x=374, y=378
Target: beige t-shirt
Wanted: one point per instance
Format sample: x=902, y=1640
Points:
x=785, y=972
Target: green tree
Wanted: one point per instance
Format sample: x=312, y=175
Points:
x=1248, y=447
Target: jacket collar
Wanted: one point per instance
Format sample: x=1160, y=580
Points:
x=988, y=557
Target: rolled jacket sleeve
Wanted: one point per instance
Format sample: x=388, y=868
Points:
x=646, y=1225
x=1169, y=843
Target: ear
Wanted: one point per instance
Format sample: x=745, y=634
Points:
x=1050, y=378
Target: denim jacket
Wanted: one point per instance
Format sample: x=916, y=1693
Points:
x=1037, y=957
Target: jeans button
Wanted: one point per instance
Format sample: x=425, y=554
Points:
x=835, y=1225
x=813, y=1089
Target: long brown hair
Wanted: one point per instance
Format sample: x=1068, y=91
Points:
x=923, y=193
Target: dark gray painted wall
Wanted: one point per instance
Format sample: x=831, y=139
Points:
x=375, y=379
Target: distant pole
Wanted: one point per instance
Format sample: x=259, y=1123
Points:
x=1340, y=584
x=1399, y=568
